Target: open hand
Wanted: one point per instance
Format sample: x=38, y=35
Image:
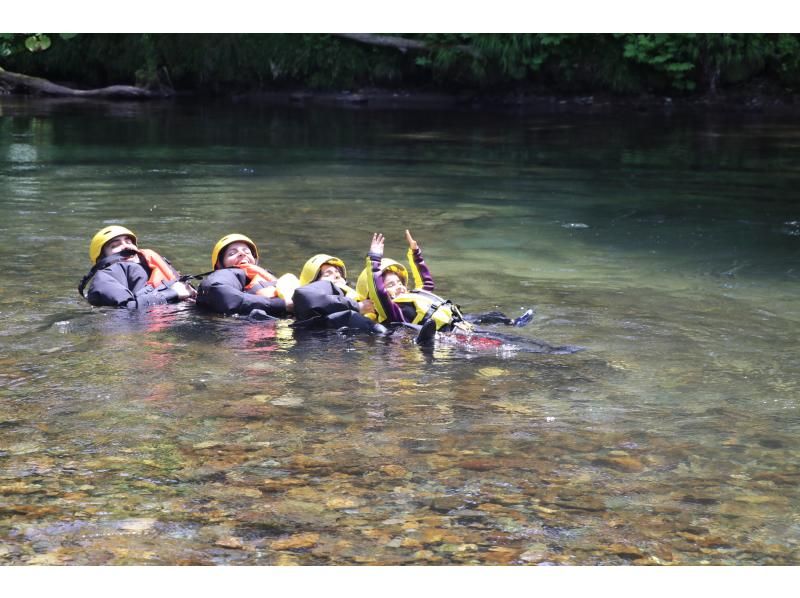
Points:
x=411, y=242
x=185, y=291
x=376, y=246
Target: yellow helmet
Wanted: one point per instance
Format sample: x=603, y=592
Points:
x=312, y=266
x=103, y=236
x=227, y=240
x=362, y=285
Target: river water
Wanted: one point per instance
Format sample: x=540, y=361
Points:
x=667, y=246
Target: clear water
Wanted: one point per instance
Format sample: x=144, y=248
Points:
x=668, y=247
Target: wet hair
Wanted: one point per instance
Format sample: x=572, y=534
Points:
x=319, y=271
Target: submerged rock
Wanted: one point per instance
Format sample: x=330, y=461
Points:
x=469, y=515
x=230, y=542
x=627, y=464
x=394, y=471
x=296, y=542
x=341, y=502
x=288, y=401
x=534, y=553
x=580, y=503
x=137, y=525
x=20, y=488
x=444, y=504
x=480, y=464
x=426, y=555
x=625, y=551
x=700, y=500
x=501, y=555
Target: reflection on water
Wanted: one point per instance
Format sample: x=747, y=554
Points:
x=665, y=247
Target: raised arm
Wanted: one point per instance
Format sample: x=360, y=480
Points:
x=376, y=247
x=386, y=309
x=419, y=269
x=412, y=244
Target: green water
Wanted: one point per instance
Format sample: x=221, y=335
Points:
x=667, y=246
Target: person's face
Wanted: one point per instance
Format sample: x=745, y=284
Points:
x=120, y=243
x=393, y=284
x=237, y=253
x=331, y=273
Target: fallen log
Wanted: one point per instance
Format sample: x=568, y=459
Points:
x=43, y=86
x=400, y=43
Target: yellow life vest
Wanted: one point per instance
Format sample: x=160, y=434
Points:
x=427, y=305
x=430, y=306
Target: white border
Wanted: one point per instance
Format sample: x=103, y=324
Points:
x=317, y=16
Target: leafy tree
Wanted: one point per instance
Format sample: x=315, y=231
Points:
x=551, y=63
x=33, y=42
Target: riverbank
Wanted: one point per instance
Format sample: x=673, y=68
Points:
x=751, y=99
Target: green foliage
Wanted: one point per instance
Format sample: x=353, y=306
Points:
x=672, y=55
x=545, y=62
x=785, y=60
x=32, y=42
x=689, y=61
x=6, y=40
x=38, y=42
x=557, y=62
x=325, y=61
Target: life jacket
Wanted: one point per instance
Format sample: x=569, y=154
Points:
x=365, y=285
x=429, y=306
x=160, y=270
x=259, y=281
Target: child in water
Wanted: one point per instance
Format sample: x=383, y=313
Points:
x=385, y=282
x=324, y=300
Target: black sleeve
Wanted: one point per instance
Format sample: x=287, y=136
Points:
x=148, y=296
x=124, y=284
x=114, y=286
x=223, y=292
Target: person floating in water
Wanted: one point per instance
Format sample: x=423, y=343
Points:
x=385, y=282
x=324, y=299
x=123, y=275
x=238, y=285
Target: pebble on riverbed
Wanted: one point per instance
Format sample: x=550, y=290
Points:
x=230, y=542
x=627, y=463
x=296, y=542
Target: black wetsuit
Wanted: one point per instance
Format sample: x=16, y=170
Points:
x=322, y=304
x=119, y=283
x=321, y=298
x=223, y=291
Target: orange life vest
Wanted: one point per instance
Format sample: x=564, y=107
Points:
x=160, y=270
x=259, y=281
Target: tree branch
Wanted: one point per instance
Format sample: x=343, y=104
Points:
x=49, y=88
x=400, y=43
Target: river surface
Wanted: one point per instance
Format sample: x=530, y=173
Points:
x=667, y=246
